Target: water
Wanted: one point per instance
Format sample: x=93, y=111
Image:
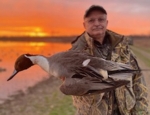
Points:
x=9, y=51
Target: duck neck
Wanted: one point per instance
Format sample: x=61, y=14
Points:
x=41, y=61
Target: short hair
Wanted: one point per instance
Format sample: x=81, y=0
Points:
x=94, y=8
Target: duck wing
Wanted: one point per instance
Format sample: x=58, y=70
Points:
x=89, y=85
x=108, y=65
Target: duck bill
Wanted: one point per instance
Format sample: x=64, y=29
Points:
x=14, y=73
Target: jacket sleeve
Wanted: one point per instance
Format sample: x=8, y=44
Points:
x=140, y=91
x=139, y=87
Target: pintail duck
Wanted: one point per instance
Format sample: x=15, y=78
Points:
x=81, y=73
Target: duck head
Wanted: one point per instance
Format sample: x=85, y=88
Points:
x=23, y=62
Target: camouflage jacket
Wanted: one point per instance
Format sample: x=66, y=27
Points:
x=120, y=101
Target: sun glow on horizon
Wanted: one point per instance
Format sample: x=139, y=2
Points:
x=37, y=32
x=39, y=18
x=23, y=31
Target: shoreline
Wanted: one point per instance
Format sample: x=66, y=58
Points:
x=43, y=98
x=63, y=39
x=20, y=93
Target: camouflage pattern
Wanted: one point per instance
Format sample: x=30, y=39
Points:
x=127, y=103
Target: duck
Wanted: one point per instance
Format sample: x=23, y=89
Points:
x=81, y=73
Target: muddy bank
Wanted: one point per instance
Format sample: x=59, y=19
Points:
x=42, y=99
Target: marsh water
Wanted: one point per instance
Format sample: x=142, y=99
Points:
x=9, y=51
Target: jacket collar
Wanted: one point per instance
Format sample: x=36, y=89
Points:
x=112, y=36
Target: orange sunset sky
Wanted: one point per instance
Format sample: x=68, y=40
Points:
x=65, y=17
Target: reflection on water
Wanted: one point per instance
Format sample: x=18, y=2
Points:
x=9, y=51
x=37, y=44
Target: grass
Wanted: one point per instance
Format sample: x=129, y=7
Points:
x=145, y=59
x=147, y=49
x=63, y=106
x=44, y=98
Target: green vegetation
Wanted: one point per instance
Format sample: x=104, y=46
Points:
x=139, y=54
x=147, y=49
x=63, y=106
x=45, y=98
